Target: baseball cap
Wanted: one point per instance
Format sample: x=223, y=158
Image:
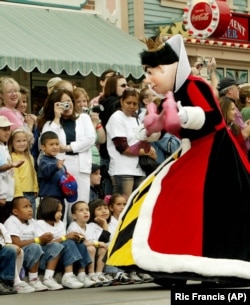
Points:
x=95, y=167
x=4, y=122
x=227, y=82
x=69, y=187
x=51, y=83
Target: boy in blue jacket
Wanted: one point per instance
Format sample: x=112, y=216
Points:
x=50, y=169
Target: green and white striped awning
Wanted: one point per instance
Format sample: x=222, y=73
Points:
x=61, y=40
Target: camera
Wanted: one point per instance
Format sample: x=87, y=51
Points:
x=65, y=105
x=95, y=108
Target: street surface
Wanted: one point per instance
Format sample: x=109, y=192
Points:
x=139, y=294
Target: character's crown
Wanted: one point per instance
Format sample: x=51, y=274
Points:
x=154, y=44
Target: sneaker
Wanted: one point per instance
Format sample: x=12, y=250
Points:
x=134, y=277
x=105, y=281
x=98, y=282
x=52, y=284
x=23, y=287
x=122, y=279
x=71, y=281
x=86, y=281
x=37, y=284
x=146, y=277
x=110, y=277
x=5, y=289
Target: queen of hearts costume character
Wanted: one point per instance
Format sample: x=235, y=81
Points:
x=191, y=216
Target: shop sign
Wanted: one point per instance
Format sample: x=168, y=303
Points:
x=238, y=28
x=207, y=18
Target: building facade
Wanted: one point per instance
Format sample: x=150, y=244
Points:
x=147, y=18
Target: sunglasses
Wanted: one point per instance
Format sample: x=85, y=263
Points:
x=124, y=85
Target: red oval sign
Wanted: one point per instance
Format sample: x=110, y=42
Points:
x=201, y=16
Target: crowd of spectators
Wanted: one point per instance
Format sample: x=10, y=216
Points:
x=93, y=141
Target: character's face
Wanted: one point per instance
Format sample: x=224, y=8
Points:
x=161, y=79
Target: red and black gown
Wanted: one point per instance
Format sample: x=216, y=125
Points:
x=192, y=215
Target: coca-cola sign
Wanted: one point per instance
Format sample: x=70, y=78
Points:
x=206, y=18
x=201, y=16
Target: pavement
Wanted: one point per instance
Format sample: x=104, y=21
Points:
x=139, y=294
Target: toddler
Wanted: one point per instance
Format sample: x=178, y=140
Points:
x=75, y=255
x=25, y=176
x=38, y=250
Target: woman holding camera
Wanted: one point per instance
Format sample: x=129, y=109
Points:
x=76, y=135
x=81, y=101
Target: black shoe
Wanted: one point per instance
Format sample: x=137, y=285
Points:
x=5, y=289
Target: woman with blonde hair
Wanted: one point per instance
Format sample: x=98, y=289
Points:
x=9, y=97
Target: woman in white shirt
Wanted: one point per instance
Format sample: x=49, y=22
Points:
x=123, y=147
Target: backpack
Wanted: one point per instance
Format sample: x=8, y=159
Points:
x=166, y=146
x=69, y=186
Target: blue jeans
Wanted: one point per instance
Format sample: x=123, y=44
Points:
x=74, y=254
x=7, y=263
x=35, y=252
x=51, y=251
x=32, y=254
x=125, y=184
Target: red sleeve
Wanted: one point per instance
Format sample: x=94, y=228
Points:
x=121, y=144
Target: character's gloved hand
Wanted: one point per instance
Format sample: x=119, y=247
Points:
x=191, y=117
x=153, y=121
x=142, y=135
x=135, y=148
x=182, y=113
x=171, y=121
